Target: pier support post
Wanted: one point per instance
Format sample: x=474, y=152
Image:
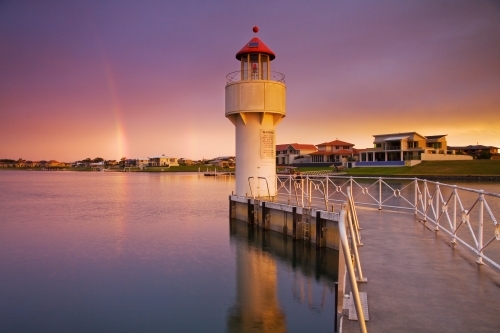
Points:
x=265, y=216
x=256, y=212
x=250, y=212
x=294, y=223
x=232, y=208
x=319, y=230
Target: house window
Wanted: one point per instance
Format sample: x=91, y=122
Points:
x=412, y=144
x=346, y=147
x=377, y=145
x=337, y=147
x=435, y=145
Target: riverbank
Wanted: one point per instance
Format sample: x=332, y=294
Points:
x=182, y=168
x=475, y=170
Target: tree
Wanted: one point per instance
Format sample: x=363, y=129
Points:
x=98, y=159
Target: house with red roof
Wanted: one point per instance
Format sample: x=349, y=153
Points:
x=334, y=152
x=288, y=153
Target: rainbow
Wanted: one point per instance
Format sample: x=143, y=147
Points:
x=121, y=144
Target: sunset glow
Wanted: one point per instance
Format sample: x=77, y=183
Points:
x=136, y=79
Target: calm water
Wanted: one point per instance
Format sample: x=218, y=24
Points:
x=138, y=252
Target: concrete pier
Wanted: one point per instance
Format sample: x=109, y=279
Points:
x=310, y=224
x=420, y=282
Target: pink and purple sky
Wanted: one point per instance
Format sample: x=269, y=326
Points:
x=133, y=79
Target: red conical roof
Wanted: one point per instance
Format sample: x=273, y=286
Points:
x=255, y=45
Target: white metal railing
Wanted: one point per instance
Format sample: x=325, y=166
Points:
x=350, y=240
x=469, y=216
x=258, y=187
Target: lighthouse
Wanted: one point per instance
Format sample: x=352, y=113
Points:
x=255, y=103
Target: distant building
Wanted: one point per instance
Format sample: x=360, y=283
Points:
x=335, y=152
x=142, y=162
x=407, y=148
x=159, y=161
x=474, y=150
x=97, y=166
x=224, y=161
x=112, y=163
x=290, y=153
x=185, y=161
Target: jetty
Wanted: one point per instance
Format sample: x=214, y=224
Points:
x=418, y=281
x=418, y=256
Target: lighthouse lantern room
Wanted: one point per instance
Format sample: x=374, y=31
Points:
x=255, y=104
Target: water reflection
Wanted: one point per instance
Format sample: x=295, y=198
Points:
x=257, y=308
x=119, y=189
x=258, y=252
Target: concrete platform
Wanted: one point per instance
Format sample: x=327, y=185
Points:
x=419, y=282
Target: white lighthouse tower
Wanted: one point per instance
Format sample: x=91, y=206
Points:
x=255, y=104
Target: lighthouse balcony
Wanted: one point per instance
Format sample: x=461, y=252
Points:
x=254, y=75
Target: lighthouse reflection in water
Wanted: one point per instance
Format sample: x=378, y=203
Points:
x=259, y=288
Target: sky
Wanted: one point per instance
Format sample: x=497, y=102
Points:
x=113, y=79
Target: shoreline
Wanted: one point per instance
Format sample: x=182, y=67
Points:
x=477, y=178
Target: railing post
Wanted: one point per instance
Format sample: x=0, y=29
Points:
x=254, y=187
x=335, y=320
x=379, y=193
x=309, y=186
x=425, y=200
x=350, y=183
x=416, y=195
x=302, y=190
x=327, y=178
x=480, y=233
x=350, y=270
x=454, y=238
x=438, y=191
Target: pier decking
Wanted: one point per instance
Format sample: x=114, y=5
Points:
x=419, y=282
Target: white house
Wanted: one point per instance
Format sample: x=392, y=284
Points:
x=408, y=148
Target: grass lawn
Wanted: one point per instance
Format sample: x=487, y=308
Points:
x=446, y=168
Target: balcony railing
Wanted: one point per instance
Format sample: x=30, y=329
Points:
x=255, y=75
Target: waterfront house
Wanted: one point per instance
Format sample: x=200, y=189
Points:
x=334, y=152
x=185, y=161
x=408, y=148
x=130, y=163
x=142, y=162
x=289, y=153
x=97, y=166
x=7, y=163
x=224, y=161
x=475, y=150
x=112, y=164
x=162, y=161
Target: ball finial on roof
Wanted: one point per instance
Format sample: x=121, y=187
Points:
x=255, y=29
